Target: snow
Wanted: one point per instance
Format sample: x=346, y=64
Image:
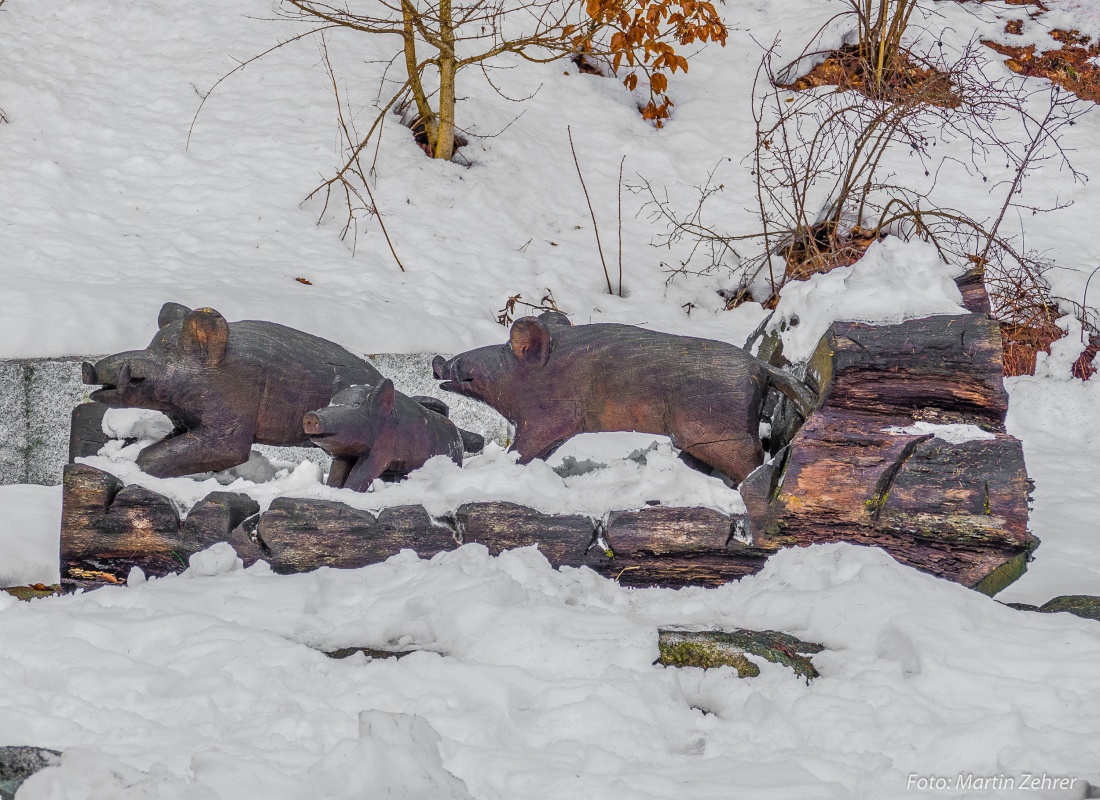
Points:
x=592, y=474
x=540, y=684
x=534, y=683
x=30, y=525
x=895, y=281
x=955, y=433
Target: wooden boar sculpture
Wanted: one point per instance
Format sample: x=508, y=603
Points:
x=553, y=381
x=225, y=385
x=371, y=431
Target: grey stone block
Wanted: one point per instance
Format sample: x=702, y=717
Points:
x=53, y=388
x=13, y=423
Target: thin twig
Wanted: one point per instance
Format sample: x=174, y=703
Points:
x=591, y=213
x=623, y=161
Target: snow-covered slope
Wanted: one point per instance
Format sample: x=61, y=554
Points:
x=541, y=685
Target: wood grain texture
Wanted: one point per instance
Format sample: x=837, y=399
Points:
x=298, y=534
x=106, y=529
x=563, y=539
x=939, y=369
x=213, y=520
x=86, y=434
x=958, y=511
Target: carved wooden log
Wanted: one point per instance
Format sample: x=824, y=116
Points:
x=710, y=649
x=939, y=369
x=107, y=529
x=299, y=534
x=851, y=474
x=666, y=546
x=86, y=434
x=565, y=540
x=214, y=518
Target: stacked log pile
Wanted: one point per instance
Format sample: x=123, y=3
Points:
x=860, y=472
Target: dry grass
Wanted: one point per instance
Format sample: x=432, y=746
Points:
x=910, y=80
x=1069, y=66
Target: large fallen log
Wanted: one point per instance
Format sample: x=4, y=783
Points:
x=862, y=471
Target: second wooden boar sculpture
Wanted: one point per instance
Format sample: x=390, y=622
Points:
x=553, y=381
x=225, y=385
x=371, y=431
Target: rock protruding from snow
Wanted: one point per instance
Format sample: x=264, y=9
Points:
x=19, y=763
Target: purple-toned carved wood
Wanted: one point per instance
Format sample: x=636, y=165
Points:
x=225, y=385
x=370, y=431
x=553, y=380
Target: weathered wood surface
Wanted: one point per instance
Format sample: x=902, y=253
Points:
x=86, y=434
x=850, y=474
x=710, y=649
x=667, y=546
x=214, y=518
x=107, y=529
x=565, y=540
x=939, y=369
x=297, y=535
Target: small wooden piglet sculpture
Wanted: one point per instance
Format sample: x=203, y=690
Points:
x=370, y=431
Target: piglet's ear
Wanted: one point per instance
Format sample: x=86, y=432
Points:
x=205, y=336
x=385, y=396
x=530, y=341
x=171, y=312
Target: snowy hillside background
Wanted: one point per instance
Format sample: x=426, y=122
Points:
x=539, y=683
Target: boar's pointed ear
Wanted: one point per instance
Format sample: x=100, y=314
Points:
x=171, y=312
x=205, y=336
x=530, y=340
x=385, y=394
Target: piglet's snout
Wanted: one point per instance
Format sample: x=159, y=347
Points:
x=312, y=424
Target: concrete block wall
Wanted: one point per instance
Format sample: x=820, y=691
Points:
x=37, y=398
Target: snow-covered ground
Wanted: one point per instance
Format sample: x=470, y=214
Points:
x=540, y=683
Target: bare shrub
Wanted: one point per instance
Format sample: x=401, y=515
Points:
x=823, y=193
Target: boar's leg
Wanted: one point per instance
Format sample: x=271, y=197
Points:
x=338, y=472
x=366, y=470
x=197, y=450
x=737, y=455
x=540, y=439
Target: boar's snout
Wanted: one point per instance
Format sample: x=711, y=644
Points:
x=312, y=424
x=87, y=374
x=439, y=366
